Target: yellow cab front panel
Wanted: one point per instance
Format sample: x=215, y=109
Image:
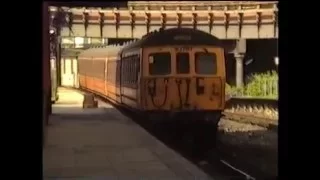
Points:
x=183, y=78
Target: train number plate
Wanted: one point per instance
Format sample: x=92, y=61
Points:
x=183, y=49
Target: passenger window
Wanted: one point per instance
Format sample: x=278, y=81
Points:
x=206, y=63
x=137, y=67
x=183, y=65
x=159, y=63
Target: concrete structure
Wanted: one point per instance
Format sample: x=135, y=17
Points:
x=101, y=143
x=250, y=20
x=228, y=20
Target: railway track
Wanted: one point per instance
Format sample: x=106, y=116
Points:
x=213, y=164
x=270, y=124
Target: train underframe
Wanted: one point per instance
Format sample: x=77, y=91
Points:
x=198, y=127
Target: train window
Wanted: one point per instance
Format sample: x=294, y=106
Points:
x=183, y=65
x=125, y=65
x=206, y=63
x=137, y=67
x=130, y=69
x=160, y=63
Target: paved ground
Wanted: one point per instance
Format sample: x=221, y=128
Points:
x=103, y=144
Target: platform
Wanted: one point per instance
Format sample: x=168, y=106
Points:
x=102, y=143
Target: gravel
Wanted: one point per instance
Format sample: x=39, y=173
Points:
x=249, y=147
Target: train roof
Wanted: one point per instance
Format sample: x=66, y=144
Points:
x=175, y=36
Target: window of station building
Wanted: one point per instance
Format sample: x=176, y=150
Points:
x=79, y=42
x=96, y=41
x=206, y=63
x=87, y=40
x=67, y=42
x=105, y=41
x=160, y=63
x=183, y=64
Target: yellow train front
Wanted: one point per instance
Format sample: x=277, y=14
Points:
x=181, y=80
x=174, y=76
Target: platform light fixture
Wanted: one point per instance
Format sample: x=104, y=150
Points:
x=276, y=60
x=52, y=31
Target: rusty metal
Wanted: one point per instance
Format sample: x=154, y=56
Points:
x=226, y=23
x=85, y=22
x=101, y=23
x=240, y=24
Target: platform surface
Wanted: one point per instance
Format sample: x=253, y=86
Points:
x=102, y=143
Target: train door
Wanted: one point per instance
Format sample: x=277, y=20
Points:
x=157, y=80
x=208, y=77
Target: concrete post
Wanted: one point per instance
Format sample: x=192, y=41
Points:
x=239, y=69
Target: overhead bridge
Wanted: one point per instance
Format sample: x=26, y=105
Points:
x=235, y=22
x=224, y=19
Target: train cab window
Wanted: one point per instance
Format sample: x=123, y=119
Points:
x=183, y=65
x=206, y=63
x=159, y=63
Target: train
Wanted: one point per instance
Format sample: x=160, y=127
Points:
x=171, y=77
